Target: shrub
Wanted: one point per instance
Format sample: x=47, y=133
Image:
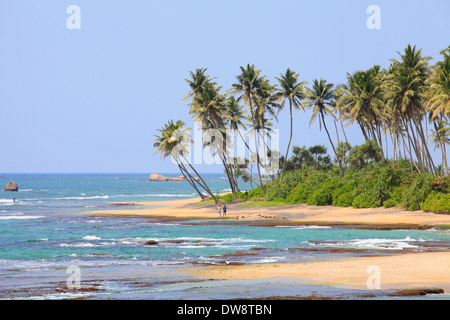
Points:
x=395, y=199
x=281, y=190
x=365, y=200
x=343, y=200
x=324, y=195
x=346, y=191
x=438, y=202
x=299, y=194
x=256, y=193
x=417, y=191
x=320, y=197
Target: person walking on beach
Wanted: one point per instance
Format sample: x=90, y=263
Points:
x=224, y=211
x=219, y=210
x=246, y=195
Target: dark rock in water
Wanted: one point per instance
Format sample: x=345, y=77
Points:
x=151, y=243
x=11, y=186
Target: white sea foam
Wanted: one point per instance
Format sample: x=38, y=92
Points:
x=91, y=238
x=153, y=195
x=79, y=245
x=83, y=198
x=268, y=260
x=310, y=227
x=17, y=217
x=378, y=243
x=93, y=221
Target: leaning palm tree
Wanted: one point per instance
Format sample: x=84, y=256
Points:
x=405, y=93
x=199, y=80
x=208, y=106
x=173, y=141
x=362, y=101
x=320, y=98
x=293, y=91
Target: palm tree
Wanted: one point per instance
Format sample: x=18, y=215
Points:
x=441, y=137
x=438, y=103
x=362, y=101
x=249, y=85
x=172, y=142
x=236, y=114
x=208, y=106
x=439, y=87
x=293, y=91
x=320, y=98
x=405, y=93
x=199, y=80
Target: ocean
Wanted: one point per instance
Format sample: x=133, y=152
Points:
x=50, y=242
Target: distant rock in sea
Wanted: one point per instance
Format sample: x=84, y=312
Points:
x=159, y=177
x=11, y=186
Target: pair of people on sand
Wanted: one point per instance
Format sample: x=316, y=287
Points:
x=223, y=209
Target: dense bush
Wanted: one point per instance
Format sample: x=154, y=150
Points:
x=324, y=195
x=395, y=199
x=320, y=197
x=281, y=190
x=370, y=184
x=343, y=199
x=417, y=191
x=256, y=193
x=299, y=194
x=438, y=202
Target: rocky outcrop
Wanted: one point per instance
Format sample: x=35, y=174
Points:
x=11, y=186
x=150, y=243
x=159, y=177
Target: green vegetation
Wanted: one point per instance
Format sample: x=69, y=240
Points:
x=374, y=184
x=401, y=111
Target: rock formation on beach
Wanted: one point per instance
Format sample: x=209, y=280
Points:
x=159, y=177
x=11, y=186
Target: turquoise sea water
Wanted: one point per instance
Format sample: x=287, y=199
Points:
x=49, y=231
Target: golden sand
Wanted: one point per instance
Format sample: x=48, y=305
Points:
x=406, y=270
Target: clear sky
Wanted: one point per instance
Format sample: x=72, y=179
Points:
x=91, y=99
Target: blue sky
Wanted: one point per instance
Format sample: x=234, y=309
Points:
x=90, y=100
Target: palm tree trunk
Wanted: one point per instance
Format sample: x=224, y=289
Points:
x=289, y=142
x=228, y=173
x=188, y=179
x=204, y=185
x=332, y=145
x=342, y=127
x=256, y=145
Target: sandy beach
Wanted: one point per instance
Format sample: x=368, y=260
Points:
x=191, y=208
x=400, y=271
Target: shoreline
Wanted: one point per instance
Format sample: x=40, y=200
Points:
x=402, y=270
x=376, y=218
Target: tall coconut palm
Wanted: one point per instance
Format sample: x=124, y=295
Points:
x=438, y=103
x=439, y=87
x=362, y=101
x=441, y=137
x=172, y=142
x=236, y=114
x=405, y=94
x=248, y=86
x=208, y=106
x=293, y=91
x=199, y=80
x=320, y=98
